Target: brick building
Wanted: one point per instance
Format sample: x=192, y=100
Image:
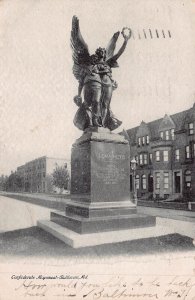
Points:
x=165, y=153
x=36, y=174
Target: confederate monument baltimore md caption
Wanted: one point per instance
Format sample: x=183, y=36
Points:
x=100, y=210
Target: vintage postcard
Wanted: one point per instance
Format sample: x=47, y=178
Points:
x=97, y=149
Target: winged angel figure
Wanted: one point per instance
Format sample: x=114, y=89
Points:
x=94, y=73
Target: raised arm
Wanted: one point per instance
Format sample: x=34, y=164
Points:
x=122, y=49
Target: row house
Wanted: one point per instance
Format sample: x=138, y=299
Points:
x=36, y=174
x=164, y=150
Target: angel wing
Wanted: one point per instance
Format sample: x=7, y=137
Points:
x=80, y=50
x=111, y=46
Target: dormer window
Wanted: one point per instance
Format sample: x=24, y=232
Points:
x=191, y=128
x=167, y=135
x=142, y=141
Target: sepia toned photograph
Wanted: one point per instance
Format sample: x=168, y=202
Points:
x=97, y=149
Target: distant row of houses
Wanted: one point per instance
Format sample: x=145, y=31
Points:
x=36, y=174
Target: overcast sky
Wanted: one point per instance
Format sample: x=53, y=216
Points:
x=156, y=76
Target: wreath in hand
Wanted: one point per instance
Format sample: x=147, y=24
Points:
x=126, y=32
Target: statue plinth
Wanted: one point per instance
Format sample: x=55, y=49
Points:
x=100, y=175
x=100, y=187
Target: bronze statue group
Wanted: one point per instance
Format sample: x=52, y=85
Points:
x=94, y=73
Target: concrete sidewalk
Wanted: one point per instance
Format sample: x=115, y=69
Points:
x=55, y=202
x=182, y=215
x=16, y=214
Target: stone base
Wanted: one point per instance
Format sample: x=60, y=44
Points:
x=102, y=224
x=101, y=209
x=77, y=240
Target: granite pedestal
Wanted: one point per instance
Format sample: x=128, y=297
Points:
x=100, y=187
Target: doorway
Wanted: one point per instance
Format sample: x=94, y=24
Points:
x=131, y=183
x=177, y=182
x=150, y=184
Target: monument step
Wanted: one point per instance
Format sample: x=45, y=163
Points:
x=77, y=240
x=84, y=225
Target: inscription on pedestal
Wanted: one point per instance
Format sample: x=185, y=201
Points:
x=110, y=171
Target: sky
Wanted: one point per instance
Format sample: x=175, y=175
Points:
x=155, y=77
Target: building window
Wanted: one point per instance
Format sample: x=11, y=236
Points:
x=150, y=158
x=141, y=159
x=165, y=155
x=191, y=128
x=157, y=155
x=145, y=159
x=162, y=135
x=147, y=139
x=136, y=158
x=187, y=151
x=188, y=178
x=177, y=154
x=158, y=180
x=143, y=140
x=137, y=182
x=43, y=174
x=144, y=182
x=172, y=134
x=139, y=142
x=167, y=135
x=194, y=149
x=166, y=180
